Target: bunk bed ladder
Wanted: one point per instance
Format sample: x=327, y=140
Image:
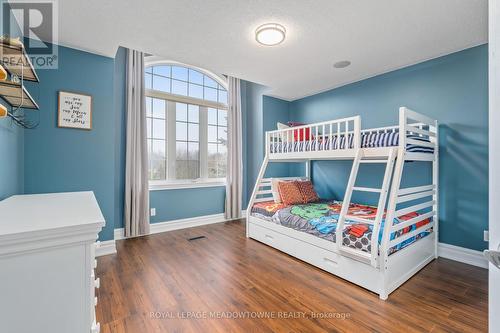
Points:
x=255, y=192
x=372, y=257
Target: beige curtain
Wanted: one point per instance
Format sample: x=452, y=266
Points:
x=136, y=162
x=234, y=176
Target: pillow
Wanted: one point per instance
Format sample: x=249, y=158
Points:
x=290, y=193
x=275, y=190
x=307, y=191
x=295, y=123
x=300, y=134
x=281, y=126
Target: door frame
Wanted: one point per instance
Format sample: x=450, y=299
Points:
x=494, y=157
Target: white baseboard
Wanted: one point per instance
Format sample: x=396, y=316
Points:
x=156, y=228
x=105, y=247
x=462, y=254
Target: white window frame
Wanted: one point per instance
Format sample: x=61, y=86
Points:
x=170, y=104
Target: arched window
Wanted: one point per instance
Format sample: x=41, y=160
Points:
x=186, y=111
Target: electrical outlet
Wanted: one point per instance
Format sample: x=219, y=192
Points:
x=486, y=236
x=153, y=211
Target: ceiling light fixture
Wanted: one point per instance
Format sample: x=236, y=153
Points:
x=270, y=34
x=342, y=64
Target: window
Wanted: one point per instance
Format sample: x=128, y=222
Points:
x=186, y=112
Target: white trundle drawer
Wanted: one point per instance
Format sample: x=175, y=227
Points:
x=295, y=244
x=327, y=260
x=317, y=256
x=272, y=238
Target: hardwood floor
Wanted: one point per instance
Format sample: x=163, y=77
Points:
x=160, y=282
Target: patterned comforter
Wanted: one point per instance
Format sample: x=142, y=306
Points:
x=320, y=219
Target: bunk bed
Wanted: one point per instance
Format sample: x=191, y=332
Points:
x=403, y=226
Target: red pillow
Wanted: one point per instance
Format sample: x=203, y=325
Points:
x=301, y=134
x=307, y=191
x=290, y=193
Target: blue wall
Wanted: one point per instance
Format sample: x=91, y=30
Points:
x=184, y=203
x=454, y=90
x=260, y=114
x=11, y=159
x=120, y=131
x=62, y=160
x=275, y=110
x=253, y=108
x=11, y=144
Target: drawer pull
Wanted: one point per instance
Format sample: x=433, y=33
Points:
x=95, y=301
x=96, y=328
x=331, y=262
x=269, y=237
x=97, y=283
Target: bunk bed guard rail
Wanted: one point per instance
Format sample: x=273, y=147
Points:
x=414, y=124
x=344, y=134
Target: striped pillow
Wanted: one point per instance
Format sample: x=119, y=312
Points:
x=307, y=190
x=290, y=193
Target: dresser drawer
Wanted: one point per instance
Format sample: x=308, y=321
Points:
x=93, y=284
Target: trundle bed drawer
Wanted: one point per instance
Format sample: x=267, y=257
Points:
x=272, y=238
x=327, y=260
x=354, y=271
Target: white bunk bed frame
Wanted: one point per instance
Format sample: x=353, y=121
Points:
x=377, y=271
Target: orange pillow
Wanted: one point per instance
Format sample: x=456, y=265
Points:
x=290, y=193
x=307, y=191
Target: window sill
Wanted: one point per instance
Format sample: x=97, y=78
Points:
x=187, y=185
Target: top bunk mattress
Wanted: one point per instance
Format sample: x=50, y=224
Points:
x=368, y=140
x=320, y=219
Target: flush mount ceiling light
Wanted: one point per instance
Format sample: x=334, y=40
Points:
x=342, y=64
x=270, y=34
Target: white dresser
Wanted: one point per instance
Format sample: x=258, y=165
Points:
x=47, y=262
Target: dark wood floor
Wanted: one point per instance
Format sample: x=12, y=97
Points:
x=227, y=275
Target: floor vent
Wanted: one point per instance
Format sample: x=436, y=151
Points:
x=196, y=238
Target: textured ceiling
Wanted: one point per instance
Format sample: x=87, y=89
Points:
x=376, y=36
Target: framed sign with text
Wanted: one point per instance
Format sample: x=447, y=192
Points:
x=74, y=110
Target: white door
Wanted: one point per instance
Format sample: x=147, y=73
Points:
x=494, y=164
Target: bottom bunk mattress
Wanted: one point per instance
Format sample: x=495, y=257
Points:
x=320, y=219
